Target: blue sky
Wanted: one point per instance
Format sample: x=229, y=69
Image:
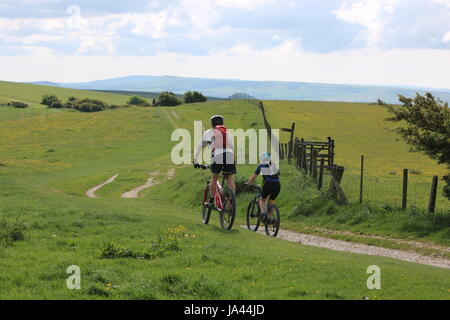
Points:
x=401, y=42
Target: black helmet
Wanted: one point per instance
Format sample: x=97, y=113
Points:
x=217, y=120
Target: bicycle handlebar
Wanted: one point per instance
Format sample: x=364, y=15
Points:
x=202, y=166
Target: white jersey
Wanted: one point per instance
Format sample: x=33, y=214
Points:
x=209, y=139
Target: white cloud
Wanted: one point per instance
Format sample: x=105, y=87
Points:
x=446, y=38
x=285, y=63
x=369, y=13
x=444, y=2
x=244, y=4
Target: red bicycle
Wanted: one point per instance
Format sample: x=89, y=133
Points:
x=224, y=203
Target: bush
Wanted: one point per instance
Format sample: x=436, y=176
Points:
x=90, y=105
x=138, y=101
x=48, y=100
x=168, y=99
x=83, y=105
x=56, y=105
x=11, y=232
x=19, y=105
x=166, y=242
x=193, y=97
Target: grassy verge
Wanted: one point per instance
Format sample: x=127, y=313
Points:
x=108, y=239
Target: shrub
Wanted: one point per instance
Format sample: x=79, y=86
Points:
x=194, y=96
x=166, y=242
x=168, y=99
x=71, y=103
x=90, y=105
x=11, y=232
x=138, y=101
x=19, y=105
x=48, y=100
x=242, y=188
x=56, y=105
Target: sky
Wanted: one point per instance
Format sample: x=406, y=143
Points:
x=377, y=42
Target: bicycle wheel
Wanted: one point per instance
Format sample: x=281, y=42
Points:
x=273, y=225
x=206, y=212
x=229, y=209
x=253, y=212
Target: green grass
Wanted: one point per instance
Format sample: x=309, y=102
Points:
x=361, y=129
x=32, y=93
x=49, y=158
x=63, y=231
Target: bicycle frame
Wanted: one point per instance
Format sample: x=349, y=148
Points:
x=217, y=196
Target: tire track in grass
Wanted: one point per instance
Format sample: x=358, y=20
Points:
x=134, y=194
x=91, y=192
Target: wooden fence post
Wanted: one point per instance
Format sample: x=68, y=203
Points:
x=291, y=142
x=320, y=184
x=314, y=166
x=405, y=189
x=432, y=202
x=336, y=190
x=361, y=185
x=281, y=151
x=330, y=163
x=311, y=154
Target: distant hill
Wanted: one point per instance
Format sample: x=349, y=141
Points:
x=268, y=90
x=146, y=94
x=45, y=83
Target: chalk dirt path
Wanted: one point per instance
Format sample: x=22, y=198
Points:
x=345, y=246
x=91, y=192
x=175, y=114
x=134, y=194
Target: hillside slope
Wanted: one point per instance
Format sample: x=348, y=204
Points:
x=32, y=93
x=49, y=158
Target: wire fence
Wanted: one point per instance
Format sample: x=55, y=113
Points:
x=398, y=188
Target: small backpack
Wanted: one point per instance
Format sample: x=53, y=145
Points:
x=220, y=135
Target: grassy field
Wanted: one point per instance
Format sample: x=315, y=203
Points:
x=32, y=93
x=154, y=247
x=361, y=129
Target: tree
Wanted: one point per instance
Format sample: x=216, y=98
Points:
x=194, y=96
x=138, y=101
x=427, y=127
x=168, y=99
x=48, y=100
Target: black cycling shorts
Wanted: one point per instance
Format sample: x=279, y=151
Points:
x=223, y=163
x=225, y=168
x=272, y=189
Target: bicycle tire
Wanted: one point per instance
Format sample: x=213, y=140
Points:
x=206, y=211
x=273, y=228
x=228, y=214
x=251, y=214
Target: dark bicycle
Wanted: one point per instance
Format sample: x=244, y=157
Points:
x=224, y=203
x=272, y=222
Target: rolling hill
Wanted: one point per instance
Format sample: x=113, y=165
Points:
x=49, y=158
x=265, y=90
